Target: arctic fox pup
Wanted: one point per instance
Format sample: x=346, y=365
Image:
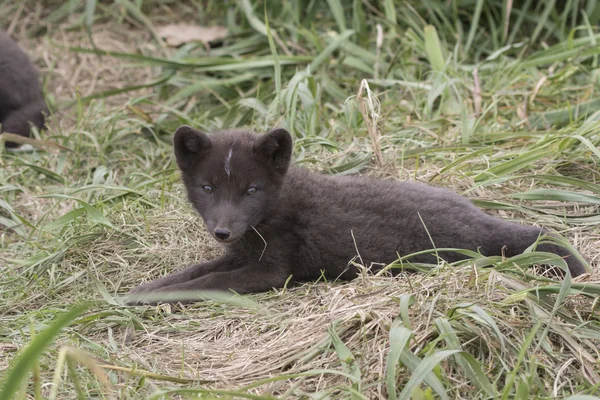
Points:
x=277, y=220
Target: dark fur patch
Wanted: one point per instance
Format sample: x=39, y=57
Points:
x=21, y=100
x=301, y=224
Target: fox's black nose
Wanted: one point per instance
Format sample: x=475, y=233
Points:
x=222, y=234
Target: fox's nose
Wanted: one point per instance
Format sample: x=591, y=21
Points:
x=222, y=233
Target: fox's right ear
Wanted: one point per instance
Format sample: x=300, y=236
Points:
x=190, y=145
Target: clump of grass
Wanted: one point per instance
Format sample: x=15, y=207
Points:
x=494, y=99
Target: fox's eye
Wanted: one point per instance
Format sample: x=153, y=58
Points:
x=207, y=189
x=251, y=191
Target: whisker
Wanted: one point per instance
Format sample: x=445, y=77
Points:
x=263, y=239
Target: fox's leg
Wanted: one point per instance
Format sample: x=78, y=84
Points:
x=187, y=274
x=247, y=279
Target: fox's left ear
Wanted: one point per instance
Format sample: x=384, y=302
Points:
x=276, y=146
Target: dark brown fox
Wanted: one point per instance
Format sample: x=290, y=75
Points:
x=21, y=100
x=277, y=220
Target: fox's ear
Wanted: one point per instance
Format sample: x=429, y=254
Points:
x=190, y=145
x=276, y=146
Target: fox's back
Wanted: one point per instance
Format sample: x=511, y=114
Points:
x=336, y=218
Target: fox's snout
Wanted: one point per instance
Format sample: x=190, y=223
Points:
x=222, y=233
x=227, y=230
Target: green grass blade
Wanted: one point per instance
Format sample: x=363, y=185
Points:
x=114, y=92
x=474, y=25
x=587, y=143
x=46, y=172
x=338, y=13
x=406, y=300
x=389, y=8
x=254, y=21
x=399, y=337
x=466, y=361
x=543, y=19
x=426, y=367
x=336, y=43
x=209, y=83
x=349, y=362
x=276, y=63
x=433, y=49
x=65, y=219
x=27, y=357
x=557, y=195
x=480, y=315
x=93, y=214
x=359, y=22
x=518, y=163
x=90, y=9
x=136, y=13
x=508, y=387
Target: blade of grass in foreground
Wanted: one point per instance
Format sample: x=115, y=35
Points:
x=424, y=368
x=522, y=353
x=399, y=337
x=33, y=351
x=468, y=363
x=349, y=362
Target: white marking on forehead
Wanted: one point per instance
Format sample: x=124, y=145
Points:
x=228, y=162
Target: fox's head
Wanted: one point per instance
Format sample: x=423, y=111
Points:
x=232, y=177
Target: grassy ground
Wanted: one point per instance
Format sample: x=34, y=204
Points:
x=497, y=100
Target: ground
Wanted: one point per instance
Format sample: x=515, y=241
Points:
x=505, y=115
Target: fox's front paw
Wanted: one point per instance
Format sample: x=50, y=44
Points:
x=138, y=299
x=153, y=293
x=144, y=294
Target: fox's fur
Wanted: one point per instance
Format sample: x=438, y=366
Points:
x=277, y=220
x=21, y=100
